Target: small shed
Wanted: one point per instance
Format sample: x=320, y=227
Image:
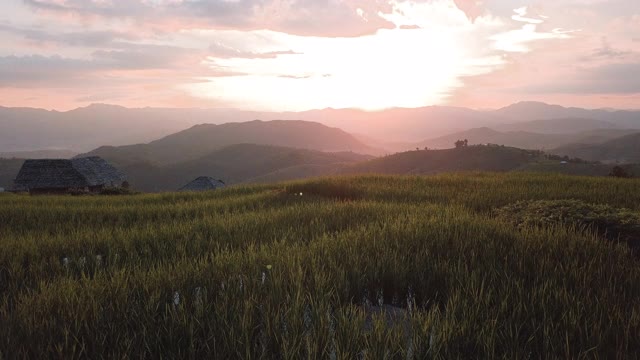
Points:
x=203, y=183
x=52, y=176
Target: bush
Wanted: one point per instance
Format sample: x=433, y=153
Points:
x=613, y=223
x=620, y=172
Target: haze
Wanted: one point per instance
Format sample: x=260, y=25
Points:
x=295, y=55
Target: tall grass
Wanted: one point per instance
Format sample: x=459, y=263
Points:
x=262, y=272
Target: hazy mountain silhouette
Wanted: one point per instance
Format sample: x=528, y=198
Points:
x=484, y=135
x=478, y=158
x=420, y=162
x=624, y=149
x=83, y=129
x=39, y=154
x=201, y=140
x=529, y=111
x=558, y=126
x=404, y=125
x=250, y=163
x=525, y=139
x=240, y=163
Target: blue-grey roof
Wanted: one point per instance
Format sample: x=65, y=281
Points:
x=203, y=183
x=67, y=173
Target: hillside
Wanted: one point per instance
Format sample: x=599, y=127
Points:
x=83, y=129
x=526, y=139
x=404, y=125
x=521, y=139
x=558, y=126
x=533, y=111
x=201, y=140
x=456, y=266
x=482, y=158
x=240, y=163
x=576, y=168
x=625, y=149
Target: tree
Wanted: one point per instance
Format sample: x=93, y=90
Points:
x=466, y=142
x=620, y=172
x=459, y=144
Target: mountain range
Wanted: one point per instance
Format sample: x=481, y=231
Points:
x=526, y=139
x=239, y=163
x=84, y=129
x=625, y=149
x=201, y=140
x=266, y=151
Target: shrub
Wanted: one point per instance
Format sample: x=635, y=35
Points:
x=613, y=223
x=620, y=172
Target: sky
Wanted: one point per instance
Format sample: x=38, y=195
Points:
x=294, y=55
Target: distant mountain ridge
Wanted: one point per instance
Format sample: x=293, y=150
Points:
x=83, y=129
x=425, y=162
x=477, y=158
x=240, y=163
x=201, y=140
x=251, y=163
x=558, y=126
x=524, y=139
x=625, y=149
x=39, y=154
x=531, y=110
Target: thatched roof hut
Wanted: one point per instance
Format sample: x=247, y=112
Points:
x=203, y=183
x=62, y=175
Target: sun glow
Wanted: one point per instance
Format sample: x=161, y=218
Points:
x=422, y=61
x=416, y=64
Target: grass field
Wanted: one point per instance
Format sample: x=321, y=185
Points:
x=292, y=271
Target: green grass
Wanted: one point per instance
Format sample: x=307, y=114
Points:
x=263, y=273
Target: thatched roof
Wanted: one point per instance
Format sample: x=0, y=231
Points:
x=203, y=183
x=65, y=173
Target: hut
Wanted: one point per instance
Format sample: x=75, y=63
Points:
x=203, y=183
x=59, y=176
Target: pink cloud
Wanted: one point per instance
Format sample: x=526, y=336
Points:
x=301, y=17
x=472, y=8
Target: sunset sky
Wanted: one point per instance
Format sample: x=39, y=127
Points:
x=310, y=54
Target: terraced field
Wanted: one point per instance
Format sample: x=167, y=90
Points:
x=340, y=268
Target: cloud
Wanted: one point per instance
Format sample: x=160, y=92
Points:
x=378, y=50
x=518, y=40
x=606, y=51
x=41, y=71
x=142, y=64
x=410, y=27
x=620, y=78
x=72, y=38
x=521, y=15
x=219, y=50
x=295, y=77
x=302, y=17
x=472, y=8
